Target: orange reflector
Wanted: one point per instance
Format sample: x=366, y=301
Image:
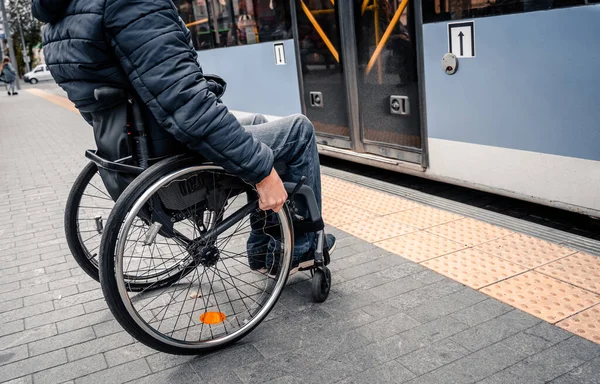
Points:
x=212, y=317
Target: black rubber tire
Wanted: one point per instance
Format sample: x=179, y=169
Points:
x=34, y=81
x=80, y=254
x=321, y=284
x=108, y=245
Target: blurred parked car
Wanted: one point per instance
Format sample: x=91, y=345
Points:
x=39, y=73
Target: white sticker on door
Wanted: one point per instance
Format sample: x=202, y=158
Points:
x=279, y=54
x=461, y=39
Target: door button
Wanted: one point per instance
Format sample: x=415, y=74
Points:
x=399, y=105
x=316, y=99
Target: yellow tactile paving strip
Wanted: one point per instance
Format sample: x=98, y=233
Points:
x=474, y=268
x=546, y=280
x=549, y=281
x=58, y=100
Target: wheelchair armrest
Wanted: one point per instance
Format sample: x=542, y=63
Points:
x=114, y=166
x=109, y=94
x=309, y=196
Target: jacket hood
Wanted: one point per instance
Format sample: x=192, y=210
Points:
x=48, y=11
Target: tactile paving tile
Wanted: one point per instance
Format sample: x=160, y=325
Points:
x=377, y=229
x=585, y=324
x=469, y=232
x=579, y=269
x=419, y=246
x=336, y=213
x=525, y=250
x=425, y=217
x=365, y=198
x=542, y=296
x=474, y=268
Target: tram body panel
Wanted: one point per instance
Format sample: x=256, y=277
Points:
x=519, y=119
x=522, y=116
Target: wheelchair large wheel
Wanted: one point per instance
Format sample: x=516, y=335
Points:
x=215, y=265
x=86, y=211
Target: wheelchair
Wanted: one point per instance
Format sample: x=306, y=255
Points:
x=187, y=261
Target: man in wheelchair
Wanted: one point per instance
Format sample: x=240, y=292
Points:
x=144, y=48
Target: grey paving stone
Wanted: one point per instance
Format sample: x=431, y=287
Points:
x=286, y=380
x=61, y=341
x=84, y=321
x=428, y=276
x=46, y=278
x=32, y=365
x=374, y=266
x=216, y=364
x=183, y=374
x=446, y=305
x=395, y=288
x=80, y=298
x=10, y=355
x=25, y=312
x=474, y=367
x=28, y=336
x=424, y=294
x=587, y=373
x=388, y=326
x=46, y=296
x=107, y=328
x=72, y=280
x=119, y=374
x=30, y=261
x=371, y=355
x=102, y=344
x=161, y=361
x=482, y=312
x=341, y=305
x=272, y=340
x=21, y=380
x=127, y=353
x=432, y=357
x=12, y=327
x=429, y=333
x=96, y=305
x=11, y=305
x=391, y=372
x=329, y=347
x=537, y=338
x=54, y=316
x=554, y=361
x=356, y=285
x=495, y=330
x=70, y=370
x=43, y=264
x=66, y=266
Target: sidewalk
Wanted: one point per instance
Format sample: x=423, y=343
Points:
x=388, y=319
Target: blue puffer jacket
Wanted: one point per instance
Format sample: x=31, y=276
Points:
x=143, y=45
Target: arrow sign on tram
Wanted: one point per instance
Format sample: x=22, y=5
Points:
x=461, y=39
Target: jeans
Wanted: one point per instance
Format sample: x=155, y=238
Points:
x=294, y=144
x=10, y=87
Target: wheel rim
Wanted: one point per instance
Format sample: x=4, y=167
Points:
x=212, y=297
x=94, y=206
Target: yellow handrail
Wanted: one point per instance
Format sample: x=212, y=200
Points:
x=320, y=31
x=201, y=21
x=386, y=35
x=363, y=8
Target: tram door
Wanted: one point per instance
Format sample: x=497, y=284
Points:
x=359, y=75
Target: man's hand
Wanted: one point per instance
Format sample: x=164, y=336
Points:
x=271, y=192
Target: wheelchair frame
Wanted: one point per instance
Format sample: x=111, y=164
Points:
x=321, y=275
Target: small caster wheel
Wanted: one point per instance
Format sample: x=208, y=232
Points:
x=321, y=284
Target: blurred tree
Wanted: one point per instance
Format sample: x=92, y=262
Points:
x=19, y=11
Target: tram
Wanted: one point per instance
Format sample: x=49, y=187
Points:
x=495, y=95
